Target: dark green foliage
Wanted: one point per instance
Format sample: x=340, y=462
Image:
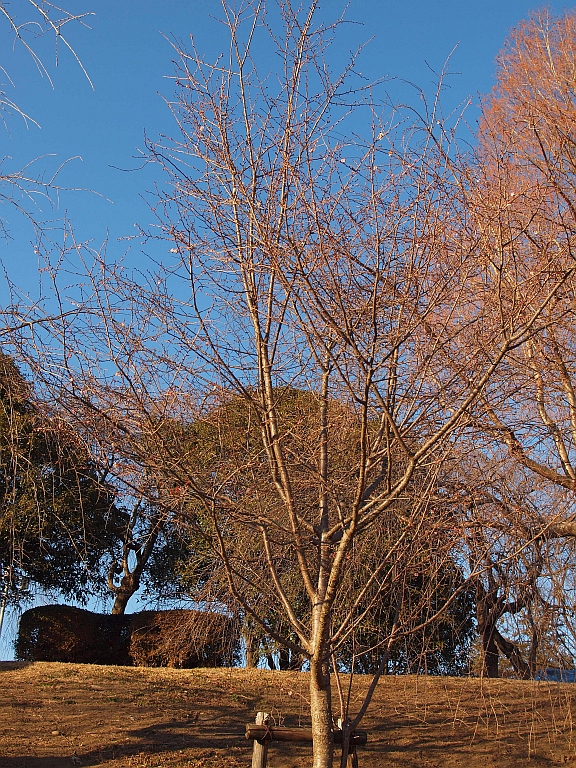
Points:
x=179, y=565
x=437, y=613
x=223, y=449
x=57, y=517
x=183, y=639
x=443, y=646
x=64, y=633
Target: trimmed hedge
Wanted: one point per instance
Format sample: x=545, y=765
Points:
x=179, y=638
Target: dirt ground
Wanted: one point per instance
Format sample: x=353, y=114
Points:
x=57, y=715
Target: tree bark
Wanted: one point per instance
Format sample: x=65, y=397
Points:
x=487, y=614
x=251, y=652
x=490, y=651
x=513, y=654
x=321, y=712
x=128, y=587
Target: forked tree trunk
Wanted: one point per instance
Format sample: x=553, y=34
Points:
x=130, y=582
x=321, y=712
x=493, y=643
x=514, y=655
x=128, y=587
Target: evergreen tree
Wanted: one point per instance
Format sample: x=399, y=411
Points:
x=57, y=515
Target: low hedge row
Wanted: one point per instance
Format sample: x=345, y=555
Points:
x=176, y=638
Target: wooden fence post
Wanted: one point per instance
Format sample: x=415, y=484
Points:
x=352, y=759
x=260, y=751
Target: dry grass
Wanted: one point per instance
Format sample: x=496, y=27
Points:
x=55, y=715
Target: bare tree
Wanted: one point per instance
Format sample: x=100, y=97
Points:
x=527, y=147
x=28, y=21
x=319, y=244
x=506, y=560
x=513, y=525
x=524, y=206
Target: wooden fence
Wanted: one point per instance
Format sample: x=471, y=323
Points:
x=263, y=734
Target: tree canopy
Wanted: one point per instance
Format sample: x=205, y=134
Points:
x=57, y=516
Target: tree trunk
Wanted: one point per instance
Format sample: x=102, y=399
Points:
x=121, y=601
x=284, y=658
x=251, y=650
x=128, y=586
x=321, y=711
x=513, y=654
x=490, y=652
x=487, y=613
x=534, y=643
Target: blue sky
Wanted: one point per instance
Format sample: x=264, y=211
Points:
x=128, y=56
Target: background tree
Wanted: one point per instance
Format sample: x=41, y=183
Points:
x=517, y=558
x=526, y=150
x=156, y=552
x=526, y=140
x=63, y=525
x=57, y=514
x=231, y=437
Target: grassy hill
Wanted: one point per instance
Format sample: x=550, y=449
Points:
x=55, y=715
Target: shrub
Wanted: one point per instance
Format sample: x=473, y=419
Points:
x=148, y=639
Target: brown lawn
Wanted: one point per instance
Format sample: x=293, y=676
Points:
x=56, y=715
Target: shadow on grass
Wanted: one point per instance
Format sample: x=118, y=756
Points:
x=10, y=666
x=156, y=739
x=208, y=740
x=397, y=737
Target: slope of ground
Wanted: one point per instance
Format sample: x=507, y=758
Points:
x=56, y=715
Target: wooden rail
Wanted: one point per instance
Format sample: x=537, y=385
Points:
x=262, y=734
x=302, y=735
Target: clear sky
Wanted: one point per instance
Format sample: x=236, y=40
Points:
x=128, y=56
